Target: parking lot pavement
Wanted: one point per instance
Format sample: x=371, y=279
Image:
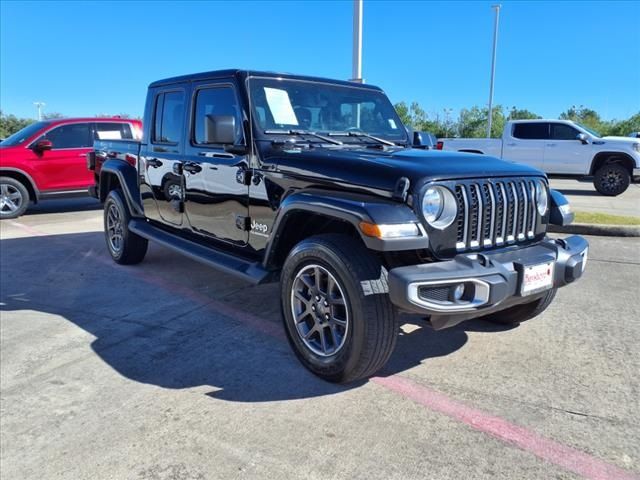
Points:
x=170, y=370
x=584, y=198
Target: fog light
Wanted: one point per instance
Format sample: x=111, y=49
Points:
x=458, y=292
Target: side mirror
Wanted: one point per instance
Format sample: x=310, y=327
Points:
x=422, y=140
x=220, y=129
x=42, y=145
x=583, y=138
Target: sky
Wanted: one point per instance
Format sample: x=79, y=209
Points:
x=86, y=58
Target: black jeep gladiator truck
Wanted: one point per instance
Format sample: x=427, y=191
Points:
x=316, y=184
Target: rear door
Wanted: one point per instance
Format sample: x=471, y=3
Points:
x=64, y=167
x=526, y=143
x=216, y=202
x=162, y=182
x=564, y=153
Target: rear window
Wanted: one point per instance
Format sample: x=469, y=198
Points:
x=169, y=116
x=113, y=131
x=531, y=131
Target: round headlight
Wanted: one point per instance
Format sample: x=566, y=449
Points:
x=439, y=207
x=432, y=203
x=542, y=198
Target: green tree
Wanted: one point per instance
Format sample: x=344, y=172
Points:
x=522, y=114
x=10, y=124
x=52, y=115
x=472, y=122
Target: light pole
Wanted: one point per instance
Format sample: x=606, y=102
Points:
x=39, y=106
x=356, y=72
x=493, y=65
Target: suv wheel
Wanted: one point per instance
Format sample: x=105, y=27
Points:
x=338, y=328
x=611, y=179
x=14, y=198
x=125, y=247
x=520, y=313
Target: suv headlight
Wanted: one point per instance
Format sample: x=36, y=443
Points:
x=636, y=147
x=542, y=197
x=439, y=207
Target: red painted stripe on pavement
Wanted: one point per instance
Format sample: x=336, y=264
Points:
x=547, y=449
x=554, y=452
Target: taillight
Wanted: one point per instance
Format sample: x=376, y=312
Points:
x=131, y=159
x=439, y=145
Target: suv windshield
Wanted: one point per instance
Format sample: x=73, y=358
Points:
x=21, y=135
x=282, y=104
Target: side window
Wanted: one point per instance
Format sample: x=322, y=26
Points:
x=210, y=102
x=560, y=131
x=169, y=115
x=113, y=131
x=531, y=131
x=74, y=135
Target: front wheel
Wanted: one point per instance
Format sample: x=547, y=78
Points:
x=611, y=179
x=125, y=247
x=520, y=313
x=14, y=198
x=336, y=308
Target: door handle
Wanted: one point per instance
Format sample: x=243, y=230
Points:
x=154, y=162
x=551, y=144
x=511, y=144
x=191, y=167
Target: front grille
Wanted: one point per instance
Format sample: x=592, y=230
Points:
x=495, y=213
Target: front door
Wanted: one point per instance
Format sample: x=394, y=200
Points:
x=162, y=181
x=564, y=153
x=216, y=202
x=526, y=143
x=64, y=167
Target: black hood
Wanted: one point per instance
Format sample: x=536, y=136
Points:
x=381, y=170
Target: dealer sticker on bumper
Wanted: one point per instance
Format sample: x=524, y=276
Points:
x=537, y=278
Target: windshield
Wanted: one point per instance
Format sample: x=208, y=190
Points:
x=21, y=135
x=590, y=130
x=281, y=104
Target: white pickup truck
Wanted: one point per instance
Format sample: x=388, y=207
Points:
x=561, y=147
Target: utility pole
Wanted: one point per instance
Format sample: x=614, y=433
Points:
x=493, y=66
x=39, y=106
x=356, y=73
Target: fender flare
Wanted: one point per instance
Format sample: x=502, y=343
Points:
x=128, y=179
x=28, y=177
x=353, y=209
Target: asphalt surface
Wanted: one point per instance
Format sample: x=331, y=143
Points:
x=171, y=370
x=583, y=197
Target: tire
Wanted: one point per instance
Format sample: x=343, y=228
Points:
x=359, y=334
x=125, y=247
x=14, y=198
x=520, y=313
x=611, y=179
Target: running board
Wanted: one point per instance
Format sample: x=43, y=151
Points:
x=252, y=272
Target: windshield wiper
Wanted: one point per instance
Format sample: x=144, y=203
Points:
x=302, y=133
x=362, y=134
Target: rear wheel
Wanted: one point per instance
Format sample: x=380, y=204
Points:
x=14, y=198
x=336, y=309
x=520, y=313
x=611, y=179
x=125, y=247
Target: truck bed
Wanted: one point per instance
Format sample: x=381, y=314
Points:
x=487, y=146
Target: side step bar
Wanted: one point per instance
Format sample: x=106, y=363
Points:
x=252, y=272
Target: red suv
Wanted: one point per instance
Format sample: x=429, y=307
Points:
x=48, y=159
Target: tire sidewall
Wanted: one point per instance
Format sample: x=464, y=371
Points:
x=115, y=198
x=307, y=253
x=24, y=194
x=599, y=183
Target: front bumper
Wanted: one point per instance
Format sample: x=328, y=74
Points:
x=495, y=279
